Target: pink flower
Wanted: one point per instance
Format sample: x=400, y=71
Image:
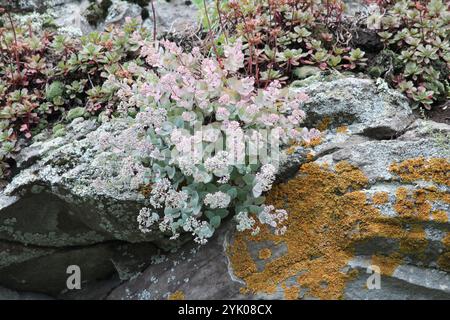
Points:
x=272, y=91
x=211, y=73
x=243, y=86
x=301, y=96
x=171, y=47
x=269, y=119
x=309, y=135
x=252, y=109
x=222, y=114
x=224, y=99
x=297, y=116
x=234, y=57
x=188, y=116
x=230, y=126
x=151, y=54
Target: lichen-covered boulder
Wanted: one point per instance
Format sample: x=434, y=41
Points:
x=68, y=205
x=69, y=194
x=340, y=224
x=361, y=203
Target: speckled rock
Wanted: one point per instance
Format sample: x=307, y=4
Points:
x=367, y=107
x=33, y=5
x=67, y=191
x=8, y=294
x=362, y=108
x=119, y=11
x=52, y=214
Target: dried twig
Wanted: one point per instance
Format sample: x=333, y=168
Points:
x=154, y=20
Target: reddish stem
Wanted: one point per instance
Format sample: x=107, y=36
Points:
x=16, y=54
x=210, y=35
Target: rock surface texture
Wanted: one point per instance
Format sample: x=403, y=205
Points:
x=371, y=195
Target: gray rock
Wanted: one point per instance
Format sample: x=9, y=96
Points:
x=368, y=108
x=119, y=10
x=8, y=294
x=71, y=193
x=200, y=272
x=44, y=270
x=33, y=5
x=175, y=16
x=52, y=216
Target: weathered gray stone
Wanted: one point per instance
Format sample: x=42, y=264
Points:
x=175, y=16
x=43, y=269
x=119, y=10
x=33, y=5
x=200, y=272
x=58, y=192
x=52, y=216
x=8, y=294
x=366, y=107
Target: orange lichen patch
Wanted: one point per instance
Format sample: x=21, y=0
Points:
x=320, y=228
x=177, y=295
x=439, y=216
x=342, y=129
x=387, y=264
x=324, y=124
x=265, y=254
x=290, y=293
x=413, y=204
x=313, y=143
x=415, y=242
x=444, y=259
x=433, y=169
x=380, y=198
x=246, y=265
x=310, y=157
x=329, y=214
x=291, y=149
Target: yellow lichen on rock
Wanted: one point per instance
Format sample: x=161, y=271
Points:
x=321, y=226
x=433, y=169
x=290, y=292
x=329, y=214
x=444, y=259
x=388, y=263
x=440, y=216
x=324, y=124
x=177, y=295
x=380, y=198
x=265, y=254
x=342, y=129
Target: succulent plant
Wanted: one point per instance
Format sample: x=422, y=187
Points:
x=419, y=35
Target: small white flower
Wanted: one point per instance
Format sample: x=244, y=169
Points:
x=146, y=219
x=217, y=200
